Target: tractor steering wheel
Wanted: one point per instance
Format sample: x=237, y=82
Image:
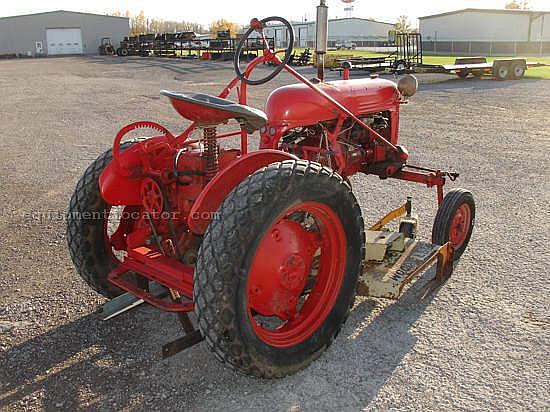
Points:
x=258, y=25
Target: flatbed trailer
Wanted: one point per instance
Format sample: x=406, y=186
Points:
x=500, y=69
x=184, y=46
x=409, y=58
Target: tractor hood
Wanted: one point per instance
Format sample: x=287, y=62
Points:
x=298, y=105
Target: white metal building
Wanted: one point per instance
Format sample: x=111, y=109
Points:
x=487, y=25
x=59, y=32
x=339, y=30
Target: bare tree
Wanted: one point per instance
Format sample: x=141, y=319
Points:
x=221, y=25
x=140, y=24
x=517, y=5
x=403, y=25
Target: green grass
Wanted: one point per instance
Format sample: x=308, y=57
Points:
x=535, y=72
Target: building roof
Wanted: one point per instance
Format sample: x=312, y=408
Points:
x=330, y=20
x=488, y=11
x=65, y=11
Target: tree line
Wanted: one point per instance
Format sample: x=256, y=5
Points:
x=140, y=24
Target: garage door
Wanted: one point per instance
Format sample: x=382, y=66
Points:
x=64, y=41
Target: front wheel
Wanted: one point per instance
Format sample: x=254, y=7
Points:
x=278, y=267
x=455, y=220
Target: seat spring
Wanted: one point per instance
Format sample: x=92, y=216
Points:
x=210, y=152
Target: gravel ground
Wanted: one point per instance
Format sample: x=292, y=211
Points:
x=480, y=343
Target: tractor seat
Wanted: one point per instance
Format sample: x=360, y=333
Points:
x=205, y=109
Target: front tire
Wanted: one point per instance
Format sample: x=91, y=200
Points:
x=454, y=221
x=270, y=296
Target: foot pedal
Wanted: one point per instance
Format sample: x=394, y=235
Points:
x=128, y=301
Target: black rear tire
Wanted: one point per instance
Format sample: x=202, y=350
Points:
x=518, y=71
x=229, y=246
x=86, y=228
x=502, y=72
x=452, y=201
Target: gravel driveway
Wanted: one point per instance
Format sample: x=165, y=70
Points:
x=481, y=343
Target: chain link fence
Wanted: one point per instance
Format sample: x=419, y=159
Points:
x=487, y=48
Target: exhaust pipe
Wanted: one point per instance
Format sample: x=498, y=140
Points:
x=321, y=38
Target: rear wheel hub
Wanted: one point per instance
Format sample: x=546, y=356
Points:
x=296, y=274
x=280, y=269
x=460, y=226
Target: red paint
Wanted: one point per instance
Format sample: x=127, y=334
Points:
x=167, y=271
x=298, y=105
x=346, y=73
x=218, y=188
x=201, y=114
x=169, y=175
x=460, y=226
x=281, y=268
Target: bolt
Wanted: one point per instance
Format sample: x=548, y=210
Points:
x=276, y=234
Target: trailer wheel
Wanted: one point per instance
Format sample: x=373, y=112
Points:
x=87, y=234
x=502, y=72
x=455, y=220
x=518, y=71
x=278, y=268
x=462, y=74
x=400, y=65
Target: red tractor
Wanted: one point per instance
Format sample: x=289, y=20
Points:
x=268, y=248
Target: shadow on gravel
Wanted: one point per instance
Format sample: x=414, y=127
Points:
x=178, y=66
x=108, y=362
x=386, y=340
x=79, y=359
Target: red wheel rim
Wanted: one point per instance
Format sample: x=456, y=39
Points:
x=460, y=226
x=296, y=274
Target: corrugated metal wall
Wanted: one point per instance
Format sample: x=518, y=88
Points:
x=476, y=26
x=19, y=34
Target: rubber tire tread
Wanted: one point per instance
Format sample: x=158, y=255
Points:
x=442, y=222
x=85, y=237
x=222, y=267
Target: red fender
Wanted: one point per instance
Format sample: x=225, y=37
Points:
x=225, y=181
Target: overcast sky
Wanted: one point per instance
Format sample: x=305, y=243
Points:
x=205, y=11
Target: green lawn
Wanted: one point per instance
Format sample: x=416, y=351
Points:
x=536, y=72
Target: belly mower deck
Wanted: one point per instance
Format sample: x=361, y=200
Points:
x=393, y=259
